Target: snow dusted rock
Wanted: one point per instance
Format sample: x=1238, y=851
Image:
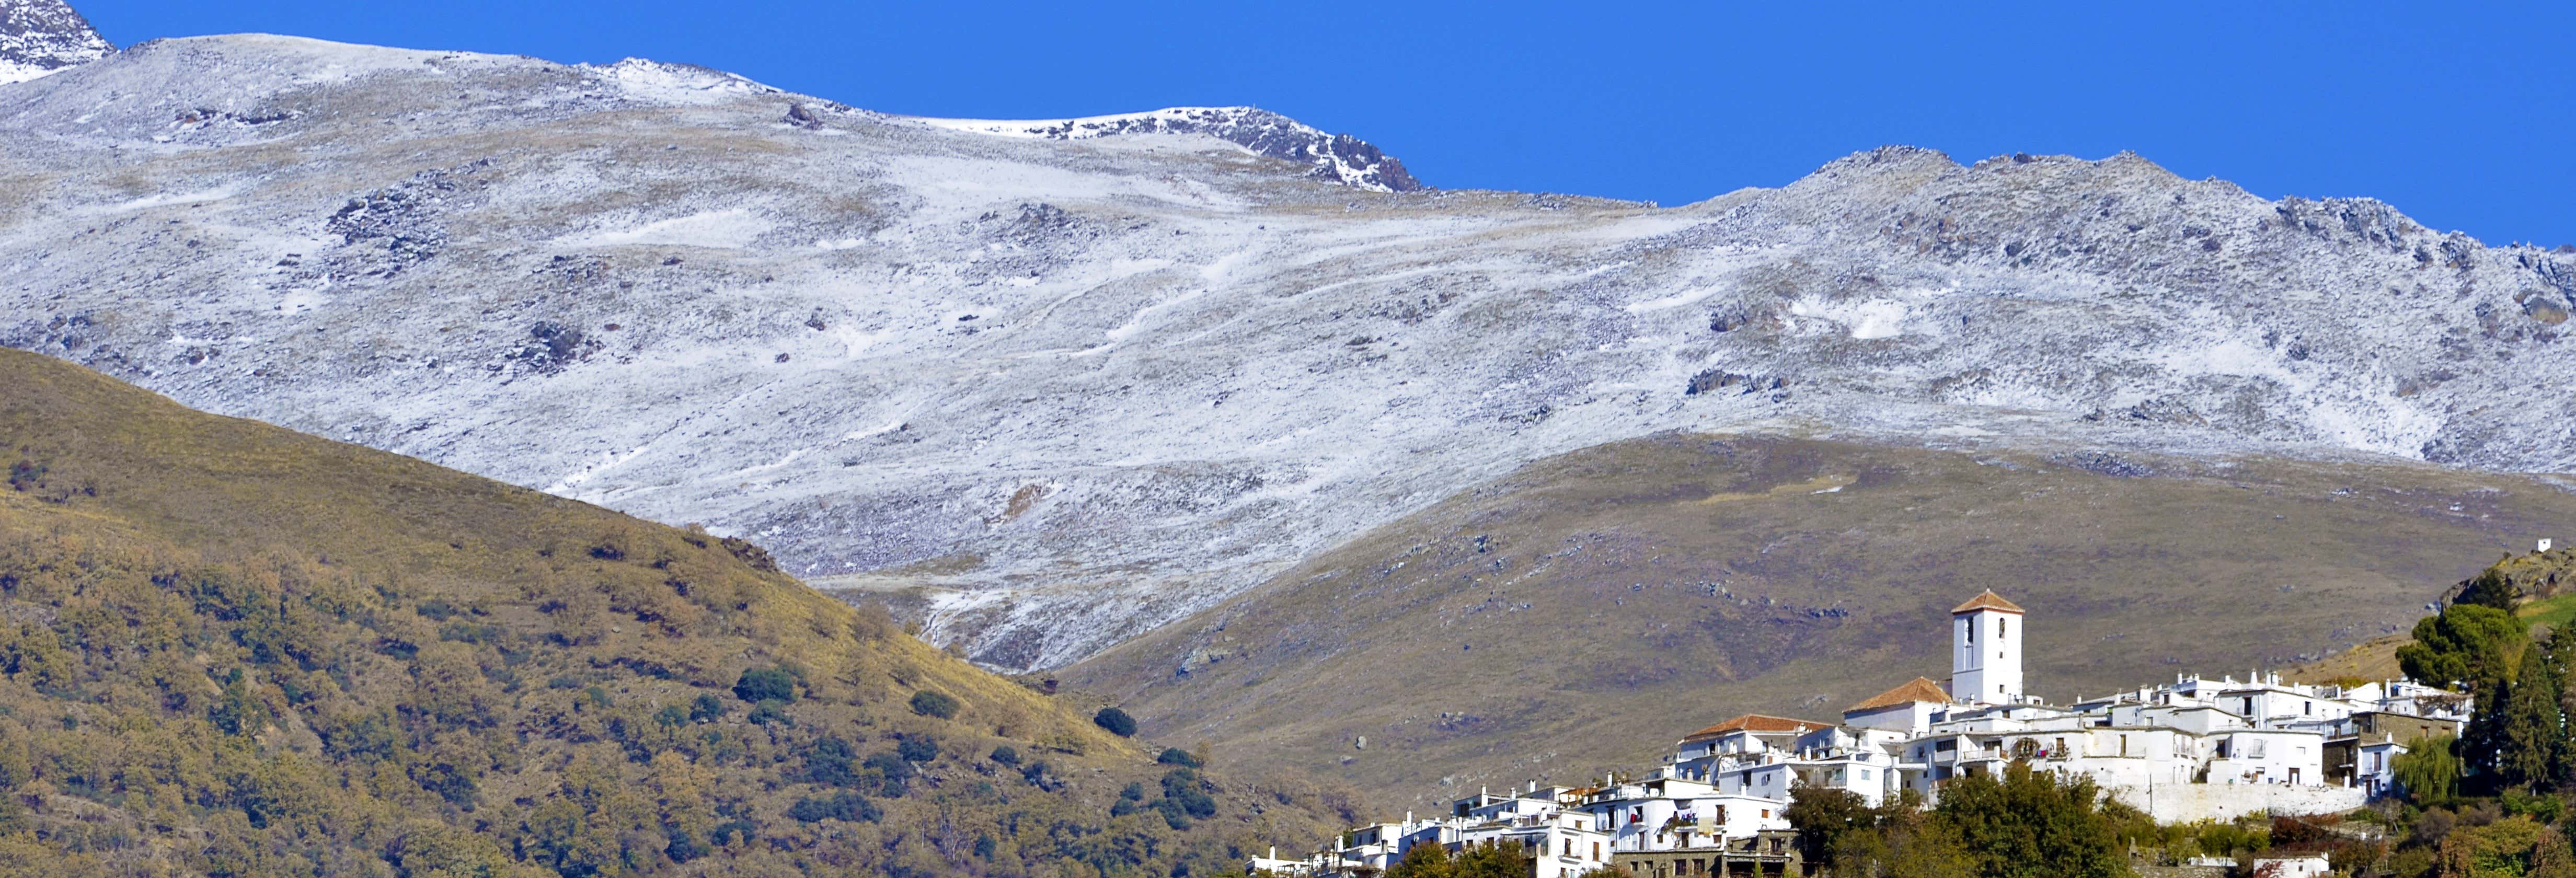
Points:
x=1080, y=385
x=1337, y=157
x=38, y=37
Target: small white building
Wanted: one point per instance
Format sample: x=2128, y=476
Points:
x=2292, y=866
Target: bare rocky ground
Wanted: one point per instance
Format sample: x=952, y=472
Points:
x=1053, y=391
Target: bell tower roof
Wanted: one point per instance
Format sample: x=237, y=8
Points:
x=1986, y=600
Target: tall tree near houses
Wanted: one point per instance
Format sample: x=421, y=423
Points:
x=2558, y=650
x=2482, y=742
x=2532, y=734
x=2466, y=645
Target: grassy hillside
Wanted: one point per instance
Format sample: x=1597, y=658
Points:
x=1587, y=611
x=235, y=650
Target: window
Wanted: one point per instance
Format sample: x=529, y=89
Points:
x=1766, y=813
x=1999, y=627
x=1972, y=630
x=1864, y=774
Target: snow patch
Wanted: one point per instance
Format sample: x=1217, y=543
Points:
x=677, y=84
x=721, y=230
x=1869, y=319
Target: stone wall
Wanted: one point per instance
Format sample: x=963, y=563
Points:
x=2184, y=803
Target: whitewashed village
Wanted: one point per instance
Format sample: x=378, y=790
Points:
x=2190, y=749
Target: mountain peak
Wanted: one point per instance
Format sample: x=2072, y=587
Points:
x=1340, y=158
x=38, y=37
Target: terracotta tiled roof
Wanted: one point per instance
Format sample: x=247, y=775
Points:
x=1921, y=689
x=1757, y=723
x=1986, y=600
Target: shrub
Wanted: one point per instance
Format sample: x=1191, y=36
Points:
x=850, y=807
x=928, y=703
x=919, y=748
x=894, y=774
x=765, y=684
x=706, y=707
x=724, y=832
x=682, y=848
x=1006, y=755
x=1182, y=788
x=768, y=712
x=1116, y=721
x=1178, y=756
x=829, y=763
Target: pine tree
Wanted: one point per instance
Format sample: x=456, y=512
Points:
x=2482, y=743
x=2532, y=733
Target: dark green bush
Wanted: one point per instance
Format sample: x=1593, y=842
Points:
x=850, y=807
x=1116, y=721
x=706, y=708
x=765, y=684
x=1178, y=756
x=1006, y=755
x=919, y=748
x=928, y=703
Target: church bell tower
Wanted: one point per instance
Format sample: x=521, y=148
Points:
x=1985, y=650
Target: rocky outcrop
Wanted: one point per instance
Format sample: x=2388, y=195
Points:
x=1339, y=158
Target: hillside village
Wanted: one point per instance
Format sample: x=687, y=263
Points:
x=2192, y=749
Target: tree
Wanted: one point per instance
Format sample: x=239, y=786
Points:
x=2482, y=747
x=1822, y=817
x=2464, y=646
x=1116, y=721
x=928, y=703
x=1426, y=860
x=2532, y=733
x=765, y=684
x=2488, y=589
x=1908, y=843
x=2428, y=770
x=2028, y=825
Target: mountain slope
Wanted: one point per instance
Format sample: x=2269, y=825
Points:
x=39, y=37
x=1086, y=385
x=235, y=650
x=1588, y=610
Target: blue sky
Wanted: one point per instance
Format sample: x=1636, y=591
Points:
x=2463, y=117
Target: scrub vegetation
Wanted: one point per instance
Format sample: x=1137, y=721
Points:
x=233, y=650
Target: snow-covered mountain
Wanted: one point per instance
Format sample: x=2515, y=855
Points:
x=38, y=37
x=1339, y=158
x=1095, y=375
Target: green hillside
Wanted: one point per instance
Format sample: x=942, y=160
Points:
x=239, y=651
x=1587, y=611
